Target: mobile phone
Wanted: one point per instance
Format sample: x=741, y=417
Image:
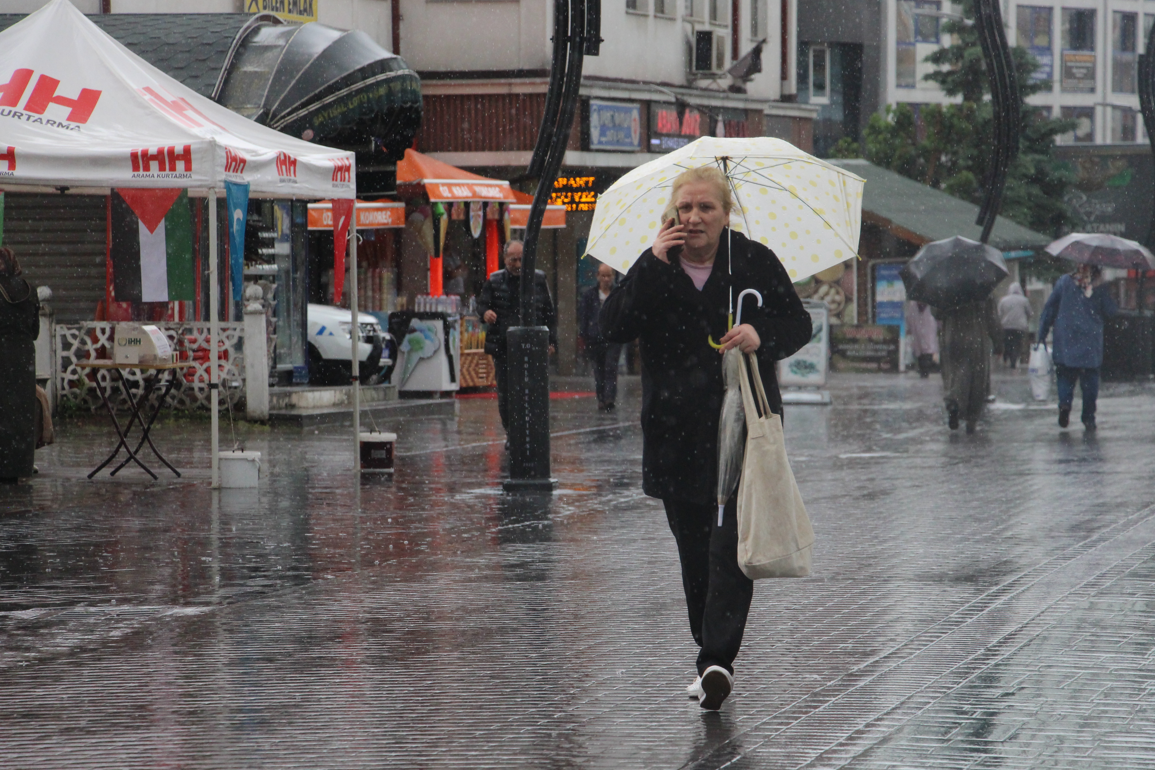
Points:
x=671, y=213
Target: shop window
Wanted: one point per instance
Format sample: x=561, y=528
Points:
x=905, y=56
x=1124, y=52
x=1124, y=125
x=1084, y=118
x=926, y=21
x=1078, y=42
x=1033, y=31
x=819, y=74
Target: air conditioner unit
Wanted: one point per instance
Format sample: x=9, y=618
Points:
x=709, y=51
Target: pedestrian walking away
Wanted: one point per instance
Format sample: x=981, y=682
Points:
x=923, y=335
x=500, y=307
x=674, y=299
x=603, y=355
x=19, y=328
x=1076, y=310
x=969, y=333
x=1015, y=317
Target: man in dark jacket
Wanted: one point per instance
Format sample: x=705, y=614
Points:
x=674, y=309
x=500, y=308
x=602, y=354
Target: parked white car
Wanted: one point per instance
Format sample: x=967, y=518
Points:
x=330, y=346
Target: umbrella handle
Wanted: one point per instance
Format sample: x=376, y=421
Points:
x=729, y=326
x=743, y=293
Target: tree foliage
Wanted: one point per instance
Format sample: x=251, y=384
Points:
x=949, y=146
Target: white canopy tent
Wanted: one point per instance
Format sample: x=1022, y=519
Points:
x=80, y=111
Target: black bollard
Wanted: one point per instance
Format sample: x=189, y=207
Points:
x=528, y=404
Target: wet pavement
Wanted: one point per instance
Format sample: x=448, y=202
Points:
x=977, y=601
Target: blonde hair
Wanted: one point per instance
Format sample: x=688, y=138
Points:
x=709, y=175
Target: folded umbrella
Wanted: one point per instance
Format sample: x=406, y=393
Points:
x=1103, y=250
x=951, y=272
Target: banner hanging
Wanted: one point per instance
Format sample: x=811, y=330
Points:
x=342, y=218
x=237, y=203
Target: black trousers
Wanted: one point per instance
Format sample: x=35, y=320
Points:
x=1013, y=340
x=604, y=360
x=718, y=594
x=501, y=375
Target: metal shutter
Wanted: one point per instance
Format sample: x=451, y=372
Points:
x=60, y=242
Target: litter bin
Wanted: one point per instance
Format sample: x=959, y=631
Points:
x=1127, y=340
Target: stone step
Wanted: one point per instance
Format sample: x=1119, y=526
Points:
x=290, y=398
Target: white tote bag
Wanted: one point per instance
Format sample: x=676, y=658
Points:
x=774, y=533
x=1039, y=371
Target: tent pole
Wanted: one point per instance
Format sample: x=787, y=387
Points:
x=355, y=334
x=214, y=334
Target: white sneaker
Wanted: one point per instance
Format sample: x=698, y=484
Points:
x=716, y=684
x=695, y=689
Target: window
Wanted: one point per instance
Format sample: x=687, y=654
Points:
x=1084, y=118
x=1078, y=30
x=759, y=21
x=694, y=9
x=1124, y=52
x=926, y=20
x=1033, y=30
x=637, y=6
x=819, y=74
x=664, y=8
x=719, y=11
x=1148, y=19
x=1124, y=126
x=905, y=57
x=1078, y=41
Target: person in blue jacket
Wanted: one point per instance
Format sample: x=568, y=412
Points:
x=1076, y=309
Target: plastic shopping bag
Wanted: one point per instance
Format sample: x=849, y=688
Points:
x=1040, y=368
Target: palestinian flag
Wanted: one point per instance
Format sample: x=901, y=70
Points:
x=152, y=255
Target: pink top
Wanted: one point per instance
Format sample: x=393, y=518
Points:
x=699, y=274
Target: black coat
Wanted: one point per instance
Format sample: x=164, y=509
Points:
x=19, y=327
x=502, y=294
x=682, y=385
x=589, y=307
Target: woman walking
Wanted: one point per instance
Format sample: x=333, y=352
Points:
x=1077, y=308
x=19, y=327
x=1015, y=316
x=969, y=332
x=673, y=300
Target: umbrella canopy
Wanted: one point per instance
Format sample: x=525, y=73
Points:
x=808, y=211
x=81, y=110
x=418, y=173
x=1103, y=250
x=953, y=272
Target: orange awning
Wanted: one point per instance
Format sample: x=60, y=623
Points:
x=443, y=182
x=370, y=215
x=519, y=213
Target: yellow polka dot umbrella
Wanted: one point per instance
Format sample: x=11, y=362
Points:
x=806, y=210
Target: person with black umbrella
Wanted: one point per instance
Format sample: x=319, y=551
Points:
x=955, y=277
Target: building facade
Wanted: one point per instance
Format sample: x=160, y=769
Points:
x=858, y=56
x=669, y=71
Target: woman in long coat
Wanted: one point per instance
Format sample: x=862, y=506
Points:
x=674, y=299
x=19, y=327
x=969, y=333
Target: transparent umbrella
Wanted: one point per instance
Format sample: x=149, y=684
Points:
x=1103, y=250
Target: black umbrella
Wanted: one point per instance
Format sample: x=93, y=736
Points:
x=953, y=272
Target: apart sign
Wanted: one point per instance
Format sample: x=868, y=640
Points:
x=615, y=126
x=289, y=10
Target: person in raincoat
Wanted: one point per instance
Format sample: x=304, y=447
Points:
x=19, y=328
x=969, y=332
x=673, y=300
x=1076, y=309
x=923, y=335
x=1015, y=316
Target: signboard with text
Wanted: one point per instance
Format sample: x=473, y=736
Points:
x=864, y=348
x=1079, y=72
x=889, y=294
x=670, y=130
x=615, y=126
x=289, y=10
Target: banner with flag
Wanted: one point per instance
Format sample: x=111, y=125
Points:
x=342, y=218
x=1, y=217
x=237, y=202
x=152, y=246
